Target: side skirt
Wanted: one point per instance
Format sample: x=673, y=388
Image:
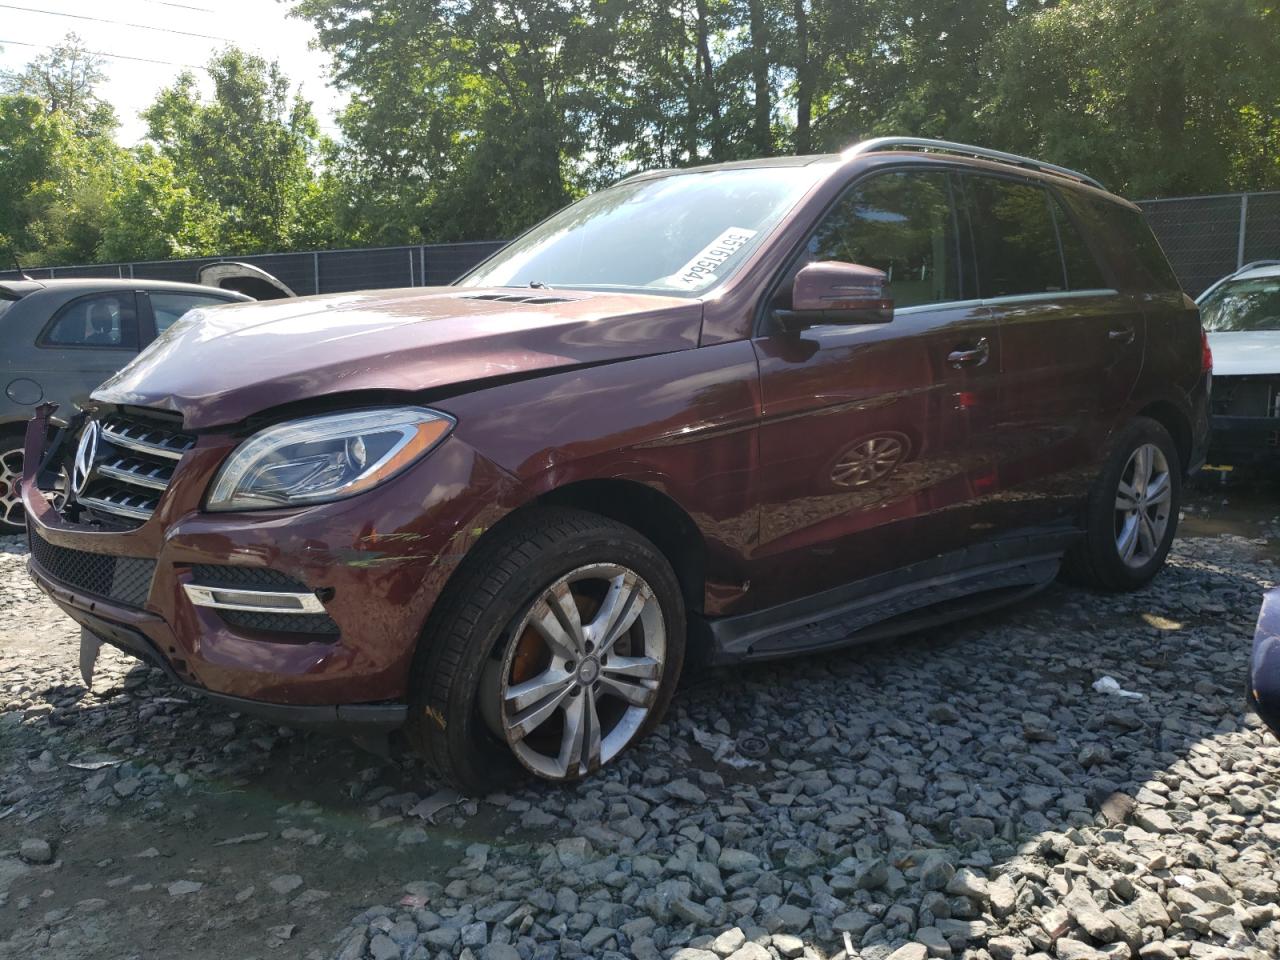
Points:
x=925, y=594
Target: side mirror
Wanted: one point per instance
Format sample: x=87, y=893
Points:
x=833, y=292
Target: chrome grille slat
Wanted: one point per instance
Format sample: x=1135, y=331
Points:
x=133, y=466
x=119, y=509
x=146, y=439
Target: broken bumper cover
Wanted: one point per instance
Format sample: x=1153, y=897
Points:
x=1264, y=666
x=376, y=562
x=1243, y=441
x=96, y=630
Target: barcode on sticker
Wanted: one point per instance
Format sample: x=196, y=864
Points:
x=701, y=270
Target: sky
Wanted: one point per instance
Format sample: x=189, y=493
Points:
x=28, y=27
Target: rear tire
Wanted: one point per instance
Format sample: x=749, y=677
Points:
x=1132, y=512
x=503, y=687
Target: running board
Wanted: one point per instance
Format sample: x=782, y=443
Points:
x=917, y=597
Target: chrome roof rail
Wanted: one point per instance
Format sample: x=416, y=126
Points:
x=967, y=150
x=1256, y=264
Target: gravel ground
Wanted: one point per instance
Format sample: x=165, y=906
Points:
x=963, y=793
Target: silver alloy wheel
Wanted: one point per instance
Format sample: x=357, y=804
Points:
x=596, y=639
x=11, y=510
x=871, y=460
x=1143, y=504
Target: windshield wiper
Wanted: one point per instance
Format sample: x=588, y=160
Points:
x=539, y=285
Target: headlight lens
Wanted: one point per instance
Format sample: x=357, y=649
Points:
x=325, y=458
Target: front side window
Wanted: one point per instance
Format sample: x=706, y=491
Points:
x=1014, y=238
x=1243, y=305
x=901, y=223
x=168, y=307
x=681, y=235
x=106, y=320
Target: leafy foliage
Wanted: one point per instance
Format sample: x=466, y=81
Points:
x=472, y=119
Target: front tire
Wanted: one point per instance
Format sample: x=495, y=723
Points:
x=558, y=645
x=1132, y=512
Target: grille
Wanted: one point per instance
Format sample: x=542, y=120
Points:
x=123, y=580
x=258, y=578
x=133, y=466
x=1246, y=397
x=281, y=622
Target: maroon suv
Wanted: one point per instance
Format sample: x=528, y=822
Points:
x=730, y=413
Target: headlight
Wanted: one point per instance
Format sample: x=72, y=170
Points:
x=325, y=458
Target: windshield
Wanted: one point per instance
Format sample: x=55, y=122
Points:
x=681, y=234
x=1243, y=305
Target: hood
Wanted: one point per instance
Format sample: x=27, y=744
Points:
x=218, y=366
x=243, y=278
x=1245, y=353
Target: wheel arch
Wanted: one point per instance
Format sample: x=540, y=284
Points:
x=1177, y=423
x=651, y=513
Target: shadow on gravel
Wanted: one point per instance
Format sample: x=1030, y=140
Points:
x=967, y=790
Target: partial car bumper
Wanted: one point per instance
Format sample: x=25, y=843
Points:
x=376, y=563
x=1244, y=441
x=1264, y=667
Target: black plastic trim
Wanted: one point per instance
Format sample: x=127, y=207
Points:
x=943, y=588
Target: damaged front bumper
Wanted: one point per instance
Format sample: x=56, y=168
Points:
x=370, y=568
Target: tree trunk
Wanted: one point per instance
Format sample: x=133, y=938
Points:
x=763, y=125
x=804, y=81
x=708, y=81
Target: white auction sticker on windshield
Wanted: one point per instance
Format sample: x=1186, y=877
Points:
x=701, y=270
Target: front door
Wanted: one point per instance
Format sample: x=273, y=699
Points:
x=875, y=439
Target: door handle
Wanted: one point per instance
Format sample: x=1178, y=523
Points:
x=1121, y=335
x=974, y=356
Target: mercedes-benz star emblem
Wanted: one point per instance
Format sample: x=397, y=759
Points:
x=86, y=454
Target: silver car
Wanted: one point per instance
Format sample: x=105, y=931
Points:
x=59, y=339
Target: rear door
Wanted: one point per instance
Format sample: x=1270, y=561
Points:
x=85, y=341
x=1072, y=344
x=875, y=438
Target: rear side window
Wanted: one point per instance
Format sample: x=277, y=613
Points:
x=901, y=223
x=1134, y=252
x=5, y=304
x=1014, y=237
x=1083, y=272
x=168, y=307
x=104, y=320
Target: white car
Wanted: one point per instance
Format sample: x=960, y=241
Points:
x=1241, y=314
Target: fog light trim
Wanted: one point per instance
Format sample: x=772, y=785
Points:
x=252, y=601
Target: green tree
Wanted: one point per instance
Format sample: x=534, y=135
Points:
x=153, y=215
x=1155, y=98
x=65, y=79
x=248, y=153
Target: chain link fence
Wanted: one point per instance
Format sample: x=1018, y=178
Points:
x=321, y=271
x=1204, y=237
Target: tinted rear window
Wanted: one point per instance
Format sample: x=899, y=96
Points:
x=1014, y=237
x=1082, y=267
x=1131, y=248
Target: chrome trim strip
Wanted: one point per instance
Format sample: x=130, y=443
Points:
x=106, y=506
x=204, y=596
x=128, y=476
x=142, y=446
x=1036, y=297
x=940, y=305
